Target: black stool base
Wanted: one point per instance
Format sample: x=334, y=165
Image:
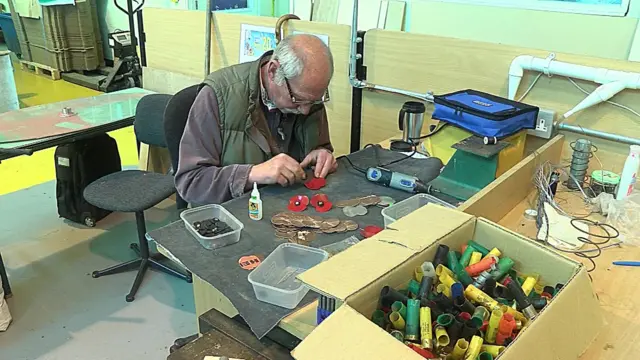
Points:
x=143, y=262
x=142, y=265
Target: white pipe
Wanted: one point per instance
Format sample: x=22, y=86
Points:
x=613, y=81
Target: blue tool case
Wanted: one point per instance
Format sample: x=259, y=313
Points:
x=484, y=114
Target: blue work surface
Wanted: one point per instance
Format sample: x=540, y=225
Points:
x=220, y=267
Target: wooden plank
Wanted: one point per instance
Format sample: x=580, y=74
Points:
x=325, y=11
x=498, y=198
x=368, y=13
x=40, y=69
x=166, y=44
x=166, y=82
x=382, y=14
x=345, y=12
x=602, y=36
x=303, y=9
x=395, y=16
x=634, y=52
x=443, y=65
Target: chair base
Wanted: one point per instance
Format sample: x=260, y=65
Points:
x=142, y=264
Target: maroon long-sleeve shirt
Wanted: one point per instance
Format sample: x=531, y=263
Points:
x=200, y=179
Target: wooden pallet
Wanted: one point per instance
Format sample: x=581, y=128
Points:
x=40, y=69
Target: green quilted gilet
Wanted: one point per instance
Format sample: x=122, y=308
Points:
x=245, y=133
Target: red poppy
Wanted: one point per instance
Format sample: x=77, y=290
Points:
x=298, y=203
x=321, y=202
x=370, y=230
x=315, y=183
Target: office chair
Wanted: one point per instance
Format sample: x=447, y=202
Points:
x=175, y=119
x=136, y=191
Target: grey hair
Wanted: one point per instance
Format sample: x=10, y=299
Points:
x=291, y=65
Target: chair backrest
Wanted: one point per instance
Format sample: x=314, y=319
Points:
x=175, y=119
x=148, y=123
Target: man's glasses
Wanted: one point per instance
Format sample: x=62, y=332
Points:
x=325, y=97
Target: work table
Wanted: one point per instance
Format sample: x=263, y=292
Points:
x=620, y=301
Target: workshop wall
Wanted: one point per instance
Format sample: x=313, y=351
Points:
x=111, y=18
x=443, y=65
x=593, y=35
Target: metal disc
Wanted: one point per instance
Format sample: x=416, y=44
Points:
x=386, y=201
x=351, y=225
x=341, y=228
x=360, y=210
x=369, y=200
x=349, y=211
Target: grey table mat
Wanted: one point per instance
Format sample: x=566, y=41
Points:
x=220, y=267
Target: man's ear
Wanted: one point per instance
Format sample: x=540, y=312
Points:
x=272, y=67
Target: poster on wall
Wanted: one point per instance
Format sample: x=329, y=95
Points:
x=324, y=38
x=255, y=41
x=56, y=2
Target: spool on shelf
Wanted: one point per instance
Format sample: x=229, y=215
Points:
x=582, y=153
x=604, y=181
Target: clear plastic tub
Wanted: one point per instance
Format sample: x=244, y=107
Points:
x=212, y=211
x=409, y=205
x=274, y=280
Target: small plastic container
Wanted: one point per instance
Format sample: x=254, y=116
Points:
x=274, y=280
x=212, y=211
x=409, y=205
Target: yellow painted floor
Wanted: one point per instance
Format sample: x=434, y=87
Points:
x=23, y=172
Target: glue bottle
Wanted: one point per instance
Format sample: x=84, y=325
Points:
x=629, y=173
x=255, y=204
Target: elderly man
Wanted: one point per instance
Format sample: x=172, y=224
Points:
x=262, y=122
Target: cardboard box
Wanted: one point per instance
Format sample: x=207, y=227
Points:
x=65, y=37
x=562, y=330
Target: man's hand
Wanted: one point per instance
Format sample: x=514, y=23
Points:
x=323, y=160
x=281, y=169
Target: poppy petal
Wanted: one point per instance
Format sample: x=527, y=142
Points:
x=315, y=183
x=370, y=230
x=326, y=206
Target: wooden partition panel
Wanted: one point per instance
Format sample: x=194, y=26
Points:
x=226, y=51
x=175, y=43
x=424, y=63
x=175, y=40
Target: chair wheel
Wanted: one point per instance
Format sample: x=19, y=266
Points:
x=95, y=274
x=129, y=298
x=89, y=221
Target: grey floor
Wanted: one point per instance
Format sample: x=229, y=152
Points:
x=59, y=311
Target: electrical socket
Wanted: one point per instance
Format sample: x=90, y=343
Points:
x=544, y=124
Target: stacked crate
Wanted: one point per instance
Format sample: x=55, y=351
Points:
x=66, y=37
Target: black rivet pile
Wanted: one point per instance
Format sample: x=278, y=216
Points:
x=211, y=227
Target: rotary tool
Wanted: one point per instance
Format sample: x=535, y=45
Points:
x=396, y=180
